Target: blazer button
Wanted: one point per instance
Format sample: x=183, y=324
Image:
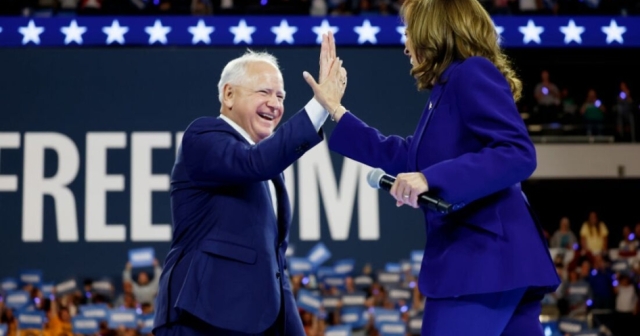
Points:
x=277, y=275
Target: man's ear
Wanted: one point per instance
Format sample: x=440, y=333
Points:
x=228, y=93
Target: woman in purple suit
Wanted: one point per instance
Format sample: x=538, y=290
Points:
x=486, y=266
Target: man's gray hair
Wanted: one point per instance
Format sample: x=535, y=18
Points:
x=235, y=71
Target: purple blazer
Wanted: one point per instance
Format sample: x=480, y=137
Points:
x=474, y=150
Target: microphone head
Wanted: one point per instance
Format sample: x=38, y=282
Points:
x=374, y=177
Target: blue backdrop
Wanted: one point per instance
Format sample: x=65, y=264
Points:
x=55, y=101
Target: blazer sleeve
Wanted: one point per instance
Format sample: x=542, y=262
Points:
x=487, y=109
x=356, y=140
x=212, y=157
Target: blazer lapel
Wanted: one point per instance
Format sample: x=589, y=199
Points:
x=422, y=126
x=284, y=208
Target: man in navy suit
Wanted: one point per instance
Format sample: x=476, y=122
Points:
x=224, y=274
x=486, y=265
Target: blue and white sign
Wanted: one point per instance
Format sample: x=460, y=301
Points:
x=416, y=256
x=568, y=325
x=99, y=312
x=17, y=299
x=389, y=278
x=123, y=317
x=298, y=265
x=344, y=266
x=356, y=317
x=142, y=257
x=330, y=303
x=318, y=254
x=337, y=281
x=102, y=287
x=8, y=284
x=363, y=281
x=338, y=330
x=47, y=289
x=32, y=277
x=415, y=325
x=516, y=31
x=393, y=267
x=392, y=329
x=354, y=299
x=31, y=320
x=382, y=315
x=309, y=302
x=66, y=287
x=399, y=294
x=85, y=325
x=146, y=323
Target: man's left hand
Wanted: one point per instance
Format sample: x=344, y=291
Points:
x=408, y=187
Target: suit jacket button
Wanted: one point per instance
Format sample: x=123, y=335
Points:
x=277, y=275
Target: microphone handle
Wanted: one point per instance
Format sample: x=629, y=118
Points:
x=431, y=202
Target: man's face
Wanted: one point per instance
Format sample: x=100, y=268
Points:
x=257, y=105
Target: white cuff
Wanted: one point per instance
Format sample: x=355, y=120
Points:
x=316, y=113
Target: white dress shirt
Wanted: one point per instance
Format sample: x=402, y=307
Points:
x=316, y=113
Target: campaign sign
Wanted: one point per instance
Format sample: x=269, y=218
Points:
x=393, y=267
x=31, y=277
x=357, y=299
x=337, y=281
x=415, y=325
x=318, y=254
x=17, y=299
x=389, y=278
x=356, y=317
x=102, y=287
x=362, y=281
x=299, y=266
x=338, y=330
x=85, y=325
x=568, y=325
x=416, y=256
x=66, y=287
x=330, y=303
x=309, y=301
x=344, y=266
x=392, y=329
x=47, y=289
x=146, y=322
x=8, y=284
x=382, y=315
x=142, y=257
x=99, y=312
x=122, y=317
x=399, y=294
x=31, y=320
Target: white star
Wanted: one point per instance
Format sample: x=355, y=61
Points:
x=614, y=32
x=31, y=33
x=242, y=32
x=499, y=30
x=157, y=32
x=572, y=32
x=284, y=32
x=531, y=32
x=324, y=28
x=115, y=33
x=367, y=32
x=73, y=33
x=201, y=32
x=401, y=30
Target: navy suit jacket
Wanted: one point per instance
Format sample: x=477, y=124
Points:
x=226, y=262
x=474, y=150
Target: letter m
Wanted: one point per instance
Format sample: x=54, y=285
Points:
x=316, y=178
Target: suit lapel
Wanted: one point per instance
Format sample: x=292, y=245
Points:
x=422, y=126
x=284, y=208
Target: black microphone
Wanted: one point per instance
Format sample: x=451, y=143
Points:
x=378, y=179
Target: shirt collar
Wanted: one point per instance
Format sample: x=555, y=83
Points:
x=238, y=129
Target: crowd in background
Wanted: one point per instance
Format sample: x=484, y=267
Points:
x=600, y=286
x=557, y=109
x=301, y=7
